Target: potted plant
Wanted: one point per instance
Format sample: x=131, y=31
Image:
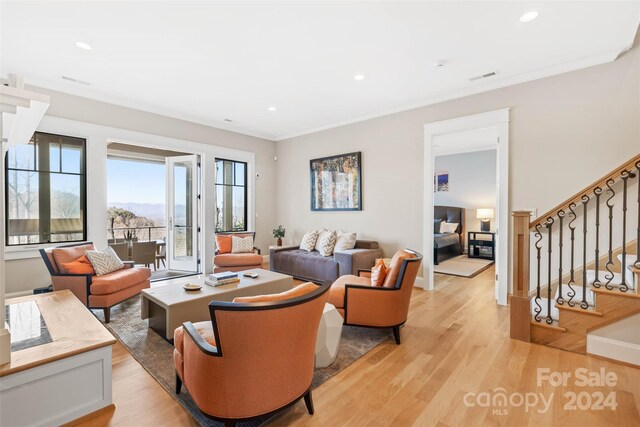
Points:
x=278, y=233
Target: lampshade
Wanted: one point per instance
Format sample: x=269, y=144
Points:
x=484, y=213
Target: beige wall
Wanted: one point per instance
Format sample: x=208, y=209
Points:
x=565, y=132
x=30, y=273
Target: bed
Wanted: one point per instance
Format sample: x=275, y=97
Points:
x=448, y=245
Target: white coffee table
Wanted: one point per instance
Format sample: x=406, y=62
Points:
x=168, y=305
x=329, y=334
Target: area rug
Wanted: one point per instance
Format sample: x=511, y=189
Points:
x=156, y=355
x=462, y=266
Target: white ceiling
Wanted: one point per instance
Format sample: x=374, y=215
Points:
x=207, y=62
x=466, y=141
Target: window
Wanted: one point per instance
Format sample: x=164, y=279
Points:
x=46, y=190
x=231, y=195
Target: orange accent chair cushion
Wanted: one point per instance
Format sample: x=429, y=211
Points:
x=204, y=328
x=80, y=265
x=119, y=280
x=298, y=291
x=394, y=268
x=223, y=243
x=336, y=292
x=237, y=260
x=378, y=273
x=66, y=255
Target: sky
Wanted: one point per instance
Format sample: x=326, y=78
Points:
x=135, y=181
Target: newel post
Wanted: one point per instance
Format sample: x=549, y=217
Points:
x=520, y=305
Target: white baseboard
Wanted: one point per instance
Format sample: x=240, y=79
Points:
x=419, y=283
x=265, y=259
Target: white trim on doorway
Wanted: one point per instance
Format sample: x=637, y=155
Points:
x=500, y=120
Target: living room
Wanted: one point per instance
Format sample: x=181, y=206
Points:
x=286, y=97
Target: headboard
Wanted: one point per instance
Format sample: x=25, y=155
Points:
x=451, y=214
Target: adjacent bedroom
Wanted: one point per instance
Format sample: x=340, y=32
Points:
x=465, y=200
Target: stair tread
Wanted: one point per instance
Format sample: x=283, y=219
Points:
x=554, y=326
x=579, y=309
x=629, y=294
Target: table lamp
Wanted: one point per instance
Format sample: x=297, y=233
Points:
x=485, y=215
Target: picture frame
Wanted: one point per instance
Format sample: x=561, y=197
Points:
x=336, y=182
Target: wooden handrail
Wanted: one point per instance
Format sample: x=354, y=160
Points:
x=615, y=174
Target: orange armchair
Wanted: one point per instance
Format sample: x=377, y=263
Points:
x=386, y=306
x=99, y=292
x=226, y=261
x=251, y=359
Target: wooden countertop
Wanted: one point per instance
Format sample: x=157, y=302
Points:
x=72, y=327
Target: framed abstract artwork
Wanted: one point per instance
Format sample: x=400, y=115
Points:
x=336, y=183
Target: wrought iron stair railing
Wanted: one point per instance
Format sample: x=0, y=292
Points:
x=576, y=223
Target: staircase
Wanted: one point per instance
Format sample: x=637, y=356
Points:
x=570, y=285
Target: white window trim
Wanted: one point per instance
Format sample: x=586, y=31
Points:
x=98, y=137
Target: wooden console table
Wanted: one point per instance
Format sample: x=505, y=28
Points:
x=60, y=367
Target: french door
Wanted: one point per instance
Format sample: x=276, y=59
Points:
x=183, y=206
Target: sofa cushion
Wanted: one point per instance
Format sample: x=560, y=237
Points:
x=236, y=260
x=394, y=268
x=345, y=241
x=119, y=280
x=79, y=266
x=336, y=292
x=223, y=243
x=299, y=290
x=308, y=265
x=66, y=255
x=204, y=328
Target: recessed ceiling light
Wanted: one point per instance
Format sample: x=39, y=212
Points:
x=358, y=77
x=272, y=108
x=529, y=16
x=83, y=46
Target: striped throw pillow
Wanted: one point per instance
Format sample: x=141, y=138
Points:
x=105, y=261
x=309, y=241
x=241, y=245
x=326, y=243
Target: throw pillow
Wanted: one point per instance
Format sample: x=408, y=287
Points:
x=448, y=227
x=309, y=241
x=241, y=245
x=326, y=243
x=321, y=234
x=378, y=273
x=105, y=261
x=437, y=225
x=223, y=243
x=298, y=291
x=345, y=241
x=80, y=265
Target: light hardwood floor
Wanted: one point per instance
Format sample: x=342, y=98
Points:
x=455, y=342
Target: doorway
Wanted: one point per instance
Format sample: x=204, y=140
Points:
x=439, y=136
x=154, y=208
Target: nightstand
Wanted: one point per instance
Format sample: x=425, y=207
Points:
x=481, y=244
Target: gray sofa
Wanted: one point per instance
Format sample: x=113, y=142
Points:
x=313, y=267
